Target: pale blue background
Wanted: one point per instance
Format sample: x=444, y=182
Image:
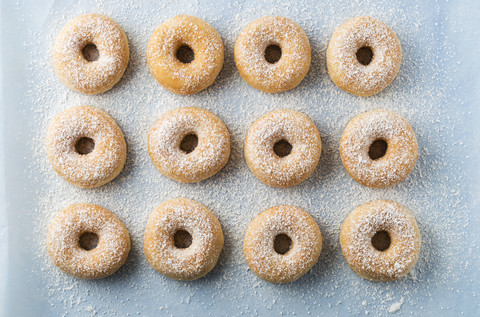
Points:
x=452, y=27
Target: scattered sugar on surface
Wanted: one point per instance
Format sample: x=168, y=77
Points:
x=421, y=93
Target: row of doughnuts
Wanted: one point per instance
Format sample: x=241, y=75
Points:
x=282, y=148
x=185, y=54
x=183, y=240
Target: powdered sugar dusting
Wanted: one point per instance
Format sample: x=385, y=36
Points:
x=293, y=127
x=202, y=38
x=85, y=76
x=356, y=238
x=426, y=92
x=64, y=248
x=399, y=159
x=207, y=239
x=250, y=54
x=208, y=157
x=343, y=66
x=258, y=245
x=96, y=168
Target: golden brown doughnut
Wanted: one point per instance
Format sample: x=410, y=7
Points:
x=91, y=76
x=87, y=241
x=183, y=32
x=189, y=144
x=380, y=240
x=363, y=156
x=85, y=146
x=183, y=239
x=282, y=243
x=363, y=56
x=282, y=148
x=251, y=54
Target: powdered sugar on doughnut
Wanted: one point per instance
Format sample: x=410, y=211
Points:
x=250, y=48
x=202, y=38
x=362, y=224
x=293, y=127
x=343, y=66
x=208, y=157
x=91, y=77
x=306, y=245
x=183, y=263
x=90, y=170
x=401, y=155
x=65, y=250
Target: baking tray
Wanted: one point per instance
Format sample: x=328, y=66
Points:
x=437, y=90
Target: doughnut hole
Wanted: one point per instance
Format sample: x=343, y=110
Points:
x=189, y=143
x=185, y=54
x=182, y=239
x=364, y=55
x=88, y=241
x=273, y=53
x=282, y=243
x=84, y=146
x=90, y=52
x=377, y=149
x=381, y=240
x=282, y=148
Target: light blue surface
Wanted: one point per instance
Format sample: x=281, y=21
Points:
x=437, y=90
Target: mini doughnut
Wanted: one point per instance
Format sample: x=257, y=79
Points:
x=189, y=144
x=378, y=148
x=87, y=241
x=179, y=74
x=363, y=56
x=73, y=46
x=270, y=73
x=282, y=148
x=183, y=239
x=380, y=241
x=86, y=147
x=282, y=243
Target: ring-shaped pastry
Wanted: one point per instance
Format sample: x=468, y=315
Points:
x=380, y=240
x=85, y=37
x=86, y=147
x=282, y=148
x=183, y=239
x=176, y=72
x=87, y=241
x=291, y=58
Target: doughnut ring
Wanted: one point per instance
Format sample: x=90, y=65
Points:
x=378, y=148
x=282, y=244
x=87, y=241
x=272, y=54
x=282, y=148
x=169, y=50
x=91, y=54
x=86, y=147
x=183, y=239
x=189, y=144
x=380, y=240
x=363, y=56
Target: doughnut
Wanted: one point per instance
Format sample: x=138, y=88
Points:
x=189, y=144
x=91, y=54
x=87, y=241
x=282, y=243
x=272, y=54
x=183, y=239
x=86, y=147
x=282, y=148
x=378, y=148
x=185, y=54
x=380, y=241
x=363, y=56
